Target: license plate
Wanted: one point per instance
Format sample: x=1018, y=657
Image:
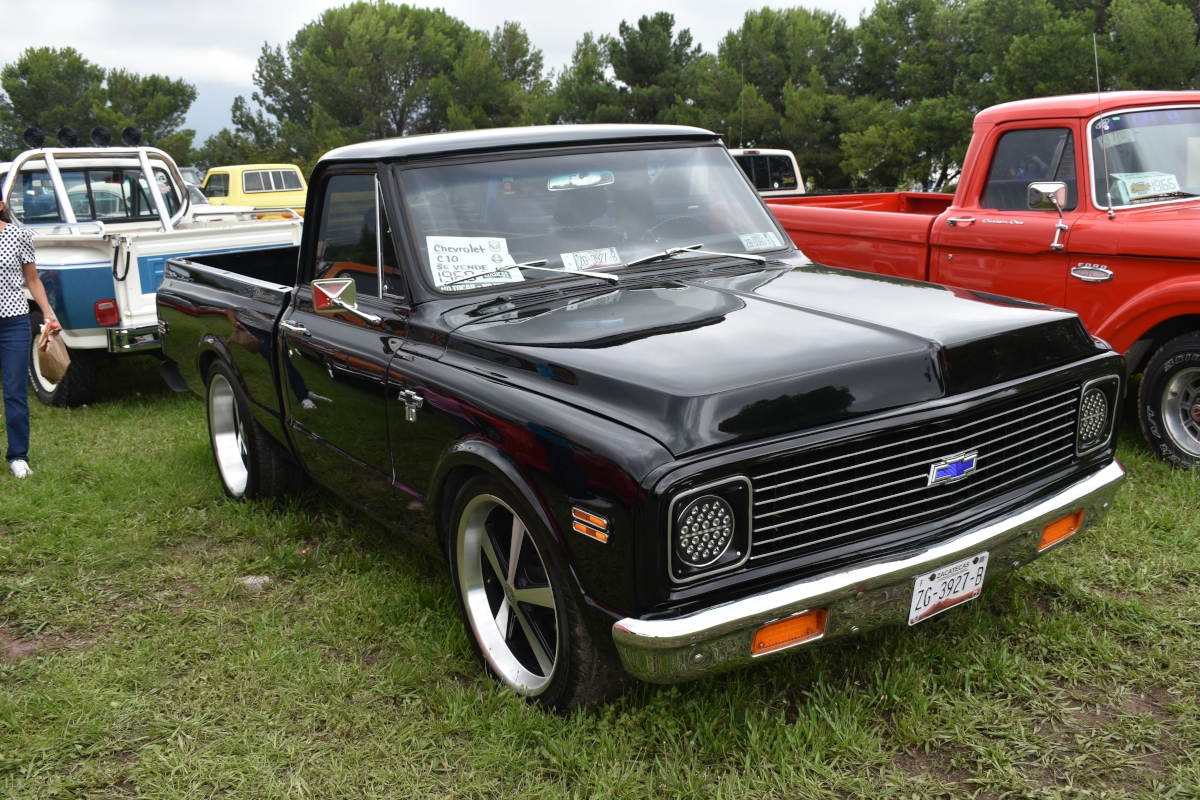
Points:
x=947, y=587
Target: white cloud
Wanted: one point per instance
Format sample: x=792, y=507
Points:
x=215, y=43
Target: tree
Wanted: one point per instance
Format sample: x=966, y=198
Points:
x=1156, y=44
x=584, y=92
x=653, y=64
x=54, y=88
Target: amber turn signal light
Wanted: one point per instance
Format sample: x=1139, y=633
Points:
x=1060, y=529
x=591, y=525
x=803, y=627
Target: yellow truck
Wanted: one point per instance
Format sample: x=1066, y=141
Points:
x=258, y=185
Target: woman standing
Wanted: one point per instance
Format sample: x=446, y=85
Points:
x=17, y=270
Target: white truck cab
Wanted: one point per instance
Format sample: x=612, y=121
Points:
x=772, y=172
x=105, y=220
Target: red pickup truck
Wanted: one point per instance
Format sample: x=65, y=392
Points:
x=1121, y=249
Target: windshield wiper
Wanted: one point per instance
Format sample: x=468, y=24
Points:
x=692, y=248
x=1160, y=196
x=538, y=264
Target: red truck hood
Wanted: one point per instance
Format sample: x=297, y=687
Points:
x=1167, y=231
x=702, y=362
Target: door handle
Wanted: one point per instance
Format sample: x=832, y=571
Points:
x=294, y=327
x=955, y=221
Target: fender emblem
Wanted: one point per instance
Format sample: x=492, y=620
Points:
x=1092, y=273
x=953, y=468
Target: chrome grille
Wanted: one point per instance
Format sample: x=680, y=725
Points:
x=851, y=490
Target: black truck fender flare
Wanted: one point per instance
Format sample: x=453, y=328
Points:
x=484, y=456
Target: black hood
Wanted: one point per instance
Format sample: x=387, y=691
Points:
x=705, y=361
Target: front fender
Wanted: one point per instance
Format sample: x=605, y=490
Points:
x=1161, y=302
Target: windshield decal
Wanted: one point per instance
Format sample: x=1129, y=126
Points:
x=453, y=258
x=585, y=259
x=1136, y=185
x=760, y=241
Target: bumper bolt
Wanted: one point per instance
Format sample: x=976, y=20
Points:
x=699, y=658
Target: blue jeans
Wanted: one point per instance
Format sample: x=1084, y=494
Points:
x=16, y=342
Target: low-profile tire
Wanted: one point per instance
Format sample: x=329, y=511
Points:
x=1169, y=401
x=250, y=464
x=520, y=615
x=77, y=387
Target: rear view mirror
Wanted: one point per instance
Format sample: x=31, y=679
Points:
x=580, y=180
x=334, y=295
x=1047, y=196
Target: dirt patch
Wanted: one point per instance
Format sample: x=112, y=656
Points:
x=937, y=766
x=13, y=648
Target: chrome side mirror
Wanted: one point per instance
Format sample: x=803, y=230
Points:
x=338, y=296
x=1050, y=196
x=1047, y=196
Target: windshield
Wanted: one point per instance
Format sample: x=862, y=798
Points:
x=1150, y=156
x=579, y=211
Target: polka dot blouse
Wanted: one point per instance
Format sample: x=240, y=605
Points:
x=16, y=249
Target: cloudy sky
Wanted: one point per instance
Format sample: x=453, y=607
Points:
x=214, y=43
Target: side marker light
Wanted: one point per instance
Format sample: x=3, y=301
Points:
x=590, y=525
x=1060, y=529
x=796, y=629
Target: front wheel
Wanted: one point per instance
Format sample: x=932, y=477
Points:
x=1169, y=401
x=78, y=385
x=250, y=464
x=520, y=615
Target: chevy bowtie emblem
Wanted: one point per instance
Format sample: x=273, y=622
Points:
x=326, y=291
x=952, y=468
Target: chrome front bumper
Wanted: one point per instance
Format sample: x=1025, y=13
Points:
x=128, y=340
x=858, y=598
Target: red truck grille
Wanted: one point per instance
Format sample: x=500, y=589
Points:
x=837, y=494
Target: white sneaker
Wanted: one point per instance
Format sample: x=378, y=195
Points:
x=20, y=468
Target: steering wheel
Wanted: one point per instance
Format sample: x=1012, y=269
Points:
x=681, y=227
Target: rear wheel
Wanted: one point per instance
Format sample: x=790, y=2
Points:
x=520, y=614
x=249, y=463
x=1169, y=401
x=78, y=385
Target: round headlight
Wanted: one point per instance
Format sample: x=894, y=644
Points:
x=1093, y=414
x=703, y=531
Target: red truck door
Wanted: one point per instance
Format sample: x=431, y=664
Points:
x=992, y=242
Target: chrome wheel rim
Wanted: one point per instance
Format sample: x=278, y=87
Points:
x=507, y=594
x=43, y=384
x=1181, y=410
x=228, y=435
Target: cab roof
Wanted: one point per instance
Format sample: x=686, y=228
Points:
x=458, y=142
x=1080, y=105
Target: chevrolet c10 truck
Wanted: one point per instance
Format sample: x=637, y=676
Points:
x=649, y=436
x=1122, y=249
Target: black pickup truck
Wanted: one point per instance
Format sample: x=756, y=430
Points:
x=651, y=438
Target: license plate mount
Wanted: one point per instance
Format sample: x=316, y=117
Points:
x=946, y=587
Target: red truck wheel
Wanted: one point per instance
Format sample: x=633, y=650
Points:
x=1169, y=401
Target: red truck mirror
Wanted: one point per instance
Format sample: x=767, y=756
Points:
x=1049, y=196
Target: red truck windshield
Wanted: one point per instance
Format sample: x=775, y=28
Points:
x=1149, y=156
x=579, y=211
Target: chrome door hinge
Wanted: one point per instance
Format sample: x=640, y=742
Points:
x=412, y=403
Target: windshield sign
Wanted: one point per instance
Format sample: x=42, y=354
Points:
x=1149, y=156
x=580, y=212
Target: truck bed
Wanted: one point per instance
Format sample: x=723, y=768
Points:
x=889, y=230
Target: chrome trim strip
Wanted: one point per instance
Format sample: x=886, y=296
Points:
x=858, y=598
x=1070, y=391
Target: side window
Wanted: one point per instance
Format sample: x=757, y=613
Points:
x=393, y=282
x=167, y=189
x=33, y=199
x=77, y=195
x=141, y=203
x=108, y=196
x=253, y=181
x=291, y=181
x=347, y=246
x=747, y=165
x=783, y=175
x=1022, y=157
x=217, y=185
x=762, y=173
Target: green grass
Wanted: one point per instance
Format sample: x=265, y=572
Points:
x=133, y=663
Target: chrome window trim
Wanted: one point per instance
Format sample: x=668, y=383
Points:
x=1091, y=157
x=1112, y=413
x=749, y=521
